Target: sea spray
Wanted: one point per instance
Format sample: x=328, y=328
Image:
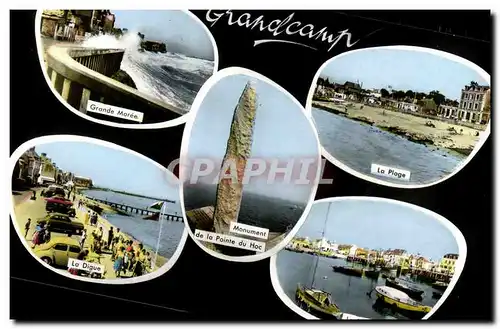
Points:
x=173, y=78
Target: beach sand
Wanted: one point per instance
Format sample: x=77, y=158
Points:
x=439, y=135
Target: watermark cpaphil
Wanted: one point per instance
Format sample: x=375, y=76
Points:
x=294, y=171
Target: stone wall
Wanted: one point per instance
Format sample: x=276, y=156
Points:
x=239, y=145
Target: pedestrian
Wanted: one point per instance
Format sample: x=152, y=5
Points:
x=27, y=227
x=82, y=239
x=118, y=264
x=110, y=238
x=87, y=217
x=37, y=235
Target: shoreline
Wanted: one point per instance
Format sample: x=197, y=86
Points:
x=408, y=126
x=101, y=221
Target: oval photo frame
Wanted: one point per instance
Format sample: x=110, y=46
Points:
x=458, y=264
x=372, y=178
x=211, y=82
x=71, y=138
x=169, y=123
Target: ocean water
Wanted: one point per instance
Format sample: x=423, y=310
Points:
x=146, y=231
x=275, y=214
x=173, y=78
x=347, y=291
x=358, y=145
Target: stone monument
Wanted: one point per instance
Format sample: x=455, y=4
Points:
x=238, y=150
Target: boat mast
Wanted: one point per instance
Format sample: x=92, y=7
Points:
x=322, y=236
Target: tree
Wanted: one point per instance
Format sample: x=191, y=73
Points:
x=437, y=97
x=384, y=93
x=420, y=96
x=398, y=94
x=410, y=94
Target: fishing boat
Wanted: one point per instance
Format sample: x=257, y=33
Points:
x=405, y=287
x=316, y=301
x=372, y=274
x=441, y=286
x=401, y=302
x=348, y=270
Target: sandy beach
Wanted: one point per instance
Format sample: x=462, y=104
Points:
x=413, y=127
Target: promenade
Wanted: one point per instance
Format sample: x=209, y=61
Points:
x=25, y=208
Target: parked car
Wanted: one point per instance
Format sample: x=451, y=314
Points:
x=53, y=190
x=61, y=223
x=60, y=205
x=58, y=250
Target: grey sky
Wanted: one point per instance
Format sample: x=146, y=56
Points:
x=182, y=33
x=375, y=224
x=281, y=131
x=403, y=70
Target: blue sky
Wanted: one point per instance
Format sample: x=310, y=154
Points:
x=110, y=168
x=375, y=224
x=281, y=131
x=182, y=33
x=402, y=69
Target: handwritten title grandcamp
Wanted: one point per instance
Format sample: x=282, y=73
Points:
x=279, y=26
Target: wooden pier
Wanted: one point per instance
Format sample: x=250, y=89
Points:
x=132, y=209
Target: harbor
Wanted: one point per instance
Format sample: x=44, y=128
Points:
x=360, y=256
x=349, y=292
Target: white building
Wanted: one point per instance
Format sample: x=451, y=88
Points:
x=408, y=107
x=448, y=111
x=352, y=251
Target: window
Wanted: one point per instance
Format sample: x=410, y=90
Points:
x=74, y=249
x=476, y=106
x=61, y=247
x=477, y=97
x=470, y=106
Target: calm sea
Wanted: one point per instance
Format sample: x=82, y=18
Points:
x=358, y=145
x=348, y=292
x=146, y=231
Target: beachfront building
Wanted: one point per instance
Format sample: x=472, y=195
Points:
x=299, y=243
x=324, y=91
x=473, y=103
x=322, y=244
x=80, y=181
x=73, y=25
x=395, y=257
x=447, y=111
x=344, y=249
x=408, y=107
x=48, y=171
x=447, y=263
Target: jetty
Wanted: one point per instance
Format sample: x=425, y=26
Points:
x=133, y=209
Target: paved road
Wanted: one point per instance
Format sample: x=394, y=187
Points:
x=35, y=209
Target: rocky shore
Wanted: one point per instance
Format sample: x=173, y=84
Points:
x=429, y=132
